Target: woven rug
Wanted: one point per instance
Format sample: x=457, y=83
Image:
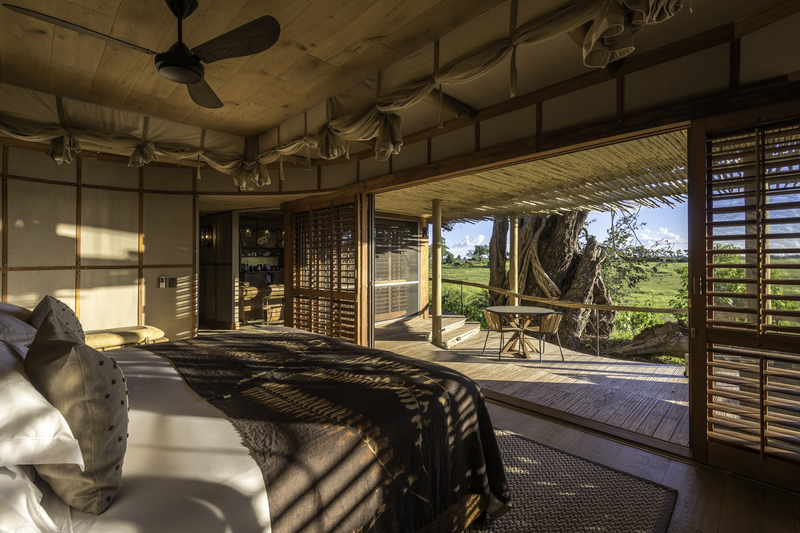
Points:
x=554, y=491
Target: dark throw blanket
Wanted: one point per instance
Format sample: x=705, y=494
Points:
x=349, y=439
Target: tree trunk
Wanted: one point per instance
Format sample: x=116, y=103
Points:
x=497, y=260
x=581, y=290
x=552, y=266
x=670, y=338
x=557, y=248
x=601, y=297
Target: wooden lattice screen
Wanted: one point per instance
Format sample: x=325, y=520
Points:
x=752, y=290
x=325, y=271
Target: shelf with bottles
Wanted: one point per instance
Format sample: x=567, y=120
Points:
x=263, y=278
x=261, y=233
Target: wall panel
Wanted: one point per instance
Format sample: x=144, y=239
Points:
x=692, y=75
x=167, y=178
x=42, y=229
x=453, y=144
x=109, y=298
x=371, y=168
x=225, y=280
x=338, y=175
x=509, y=127
x=168, y=224
x=413, y=155
x=169, y=309
x=214, y=181
x=772, y=51
x=109, y=174
x=109, y=227
x=27, y=288
x=208, y=281
x=30, y=164
x=585, y=105
x=297, y=179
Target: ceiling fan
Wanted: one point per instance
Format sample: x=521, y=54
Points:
x=182, y=64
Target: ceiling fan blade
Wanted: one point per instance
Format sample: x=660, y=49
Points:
x=248, y=39
x=75, y=27
x=203, y=95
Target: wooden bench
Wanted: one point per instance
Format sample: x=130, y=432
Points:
x=106, y=339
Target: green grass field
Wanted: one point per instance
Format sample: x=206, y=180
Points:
x=660, y=288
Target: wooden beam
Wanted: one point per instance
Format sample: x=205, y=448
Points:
x=436, y=337
x=365, y=319
x=288, y=268
x=765, y=16
x=451, y=104
x=4, y=223
x=697, y=259
x=513, y=269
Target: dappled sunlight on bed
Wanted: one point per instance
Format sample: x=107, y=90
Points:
x=151, y=504
x=186, y=468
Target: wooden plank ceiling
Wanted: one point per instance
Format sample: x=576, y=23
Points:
x=325, y=47
x=649, y=171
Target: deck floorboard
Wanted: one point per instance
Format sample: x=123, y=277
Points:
x=651, y=399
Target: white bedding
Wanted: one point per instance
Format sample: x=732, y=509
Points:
x=186, y=468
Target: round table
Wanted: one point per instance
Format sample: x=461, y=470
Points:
x=519, y=316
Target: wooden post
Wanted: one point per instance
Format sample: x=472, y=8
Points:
x=513, y=267
x=436, y=338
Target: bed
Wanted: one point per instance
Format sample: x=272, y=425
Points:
x=278, y=430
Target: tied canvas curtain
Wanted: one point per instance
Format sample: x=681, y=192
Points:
x=370, y=123
x=606, y=28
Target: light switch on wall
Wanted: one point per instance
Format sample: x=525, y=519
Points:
x=162, y=282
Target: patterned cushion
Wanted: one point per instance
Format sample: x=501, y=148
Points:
x=64, y=312
x=90, y=391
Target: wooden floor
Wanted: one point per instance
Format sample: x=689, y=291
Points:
x=649, y=399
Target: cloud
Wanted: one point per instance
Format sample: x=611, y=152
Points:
x=650, y=238
x=467, y=244
x=470, y=242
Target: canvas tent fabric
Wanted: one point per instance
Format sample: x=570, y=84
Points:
x=605, y=28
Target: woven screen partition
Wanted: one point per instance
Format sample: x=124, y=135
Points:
x=325, y=271
x=752, y=290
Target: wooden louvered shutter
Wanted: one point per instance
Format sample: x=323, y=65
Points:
x=751, y=295
x=325, y=259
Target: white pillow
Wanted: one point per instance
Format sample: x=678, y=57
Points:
x=20, y=503
x=16, y=311
x=14, y=330
x=31, y=430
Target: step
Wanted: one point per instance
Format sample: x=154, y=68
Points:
x=456, y=336
x=449, y=323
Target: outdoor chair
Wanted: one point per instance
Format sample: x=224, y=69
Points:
x=548, y=324
x=496, y=323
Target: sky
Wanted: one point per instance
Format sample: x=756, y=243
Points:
x=665, y=223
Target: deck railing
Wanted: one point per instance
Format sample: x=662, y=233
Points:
x=567, y=304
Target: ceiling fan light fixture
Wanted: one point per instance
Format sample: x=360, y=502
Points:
x=177, y=64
